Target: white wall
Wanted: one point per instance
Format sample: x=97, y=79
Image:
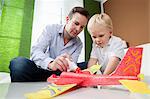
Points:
x=53, y=11
x=145, y=67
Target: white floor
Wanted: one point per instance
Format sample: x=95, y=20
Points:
x=4, y=77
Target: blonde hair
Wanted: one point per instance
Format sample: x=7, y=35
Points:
x=98, y=20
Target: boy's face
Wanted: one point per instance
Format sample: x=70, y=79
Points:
x=76, y=24
x=101, y=36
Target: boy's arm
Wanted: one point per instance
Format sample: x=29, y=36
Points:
x=91, y=62
x=111, y=66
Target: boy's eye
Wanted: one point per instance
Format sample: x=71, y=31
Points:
x=98, y=36
x=93, y=36
x=101, y=35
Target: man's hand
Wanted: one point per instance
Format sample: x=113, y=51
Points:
x=60, y=63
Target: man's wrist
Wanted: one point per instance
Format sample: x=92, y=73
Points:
x=49, y=66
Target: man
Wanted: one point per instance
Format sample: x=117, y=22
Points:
x=49, y=53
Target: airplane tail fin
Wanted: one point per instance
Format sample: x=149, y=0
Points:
x=131, y=63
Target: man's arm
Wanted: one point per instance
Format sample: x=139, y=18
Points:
x=38, y=50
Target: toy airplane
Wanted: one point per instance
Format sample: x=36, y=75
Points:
x=128, y=69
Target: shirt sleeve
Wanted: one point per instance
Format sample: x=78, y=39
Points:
x=118, y=50
x=38, y=50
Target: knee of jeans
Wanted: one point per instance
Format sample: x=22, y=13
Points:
x=82, y=65
x=18, y=63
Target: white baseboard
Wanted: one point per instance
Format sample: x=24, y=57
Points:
x=4, y=77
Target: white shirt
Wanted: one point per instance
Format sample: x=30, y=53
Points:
x=114, y=48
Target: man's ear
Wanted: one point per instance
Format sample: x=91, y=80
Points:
x=67, y=19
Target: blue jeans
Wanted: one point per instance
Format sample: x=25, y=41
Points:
x=25, y=70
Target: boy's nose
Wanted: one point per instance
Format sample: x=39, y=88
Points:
x=98, y=40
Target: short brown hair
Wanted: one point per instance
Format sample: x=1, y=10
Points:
x=80, y=10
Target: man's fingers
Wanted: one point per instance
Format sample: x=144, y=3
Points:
x=59, y=67
x=62, y=63
x=66, y=55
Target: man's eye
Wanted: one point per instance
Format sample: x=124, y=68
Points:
x=82, y=27
x=76, y=23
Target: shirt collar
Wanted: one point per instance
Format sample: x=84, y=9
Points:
x=110, y=40
x=61, y=31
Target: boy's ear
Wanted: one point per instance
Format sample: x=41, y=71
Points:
x=110, y=32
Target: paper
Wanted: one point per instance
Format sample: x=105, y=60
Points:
x=72, y=65
x=93, y=69
x=136, y=86
x=50, y=91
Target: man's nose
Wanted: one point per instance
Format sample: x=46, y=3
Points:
x=78, y=28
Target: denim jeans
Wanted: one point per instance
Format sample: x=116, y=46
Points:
x=25, y=70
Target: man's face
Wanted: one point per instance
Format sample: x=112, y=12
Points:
x=101, y=36
x=75, y=25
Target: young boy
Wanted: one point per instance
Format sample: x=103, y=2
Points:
x=107, y=49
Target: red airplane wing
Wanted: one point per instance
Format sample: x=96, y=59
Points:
x=88, y=80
